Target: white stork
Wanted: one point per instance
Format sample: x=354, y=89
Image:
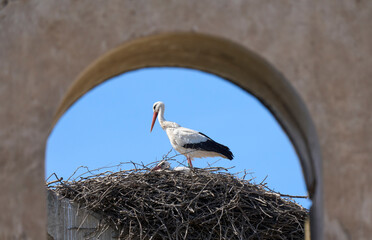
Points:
x=165, y=165
x=190, y=143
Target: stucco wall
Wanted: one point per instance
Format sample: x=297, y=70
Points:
x=68, y=220
x=322, y=48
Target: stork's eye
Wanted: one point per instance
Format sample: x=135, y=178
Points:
x=154, y=107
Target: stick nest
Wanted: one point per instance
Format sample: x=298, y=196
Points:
x=202, y=204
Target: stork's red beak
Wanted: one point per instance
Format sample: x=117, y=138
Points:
x=153, y=120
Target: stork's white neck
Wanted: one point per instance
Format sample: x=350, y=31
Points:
x=161, y=118
x=163, y=123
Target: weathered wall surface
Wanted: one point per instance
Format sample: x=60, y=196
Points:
x=67, y=221
x=323, y=49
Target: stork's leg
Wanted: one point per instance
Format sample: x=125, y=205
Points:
x=189, y=161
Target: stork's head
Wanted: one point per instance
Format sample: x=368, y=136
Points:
x=156, y=107
x=163, y=165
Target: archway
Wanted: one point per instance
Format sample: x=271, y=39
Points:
x=232, y=62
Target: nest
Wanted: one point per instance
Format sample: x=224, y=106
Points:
x=202, y=204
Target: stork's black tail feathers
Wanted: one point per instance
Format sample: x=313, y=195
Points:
x=212, y=146
x=223, y=150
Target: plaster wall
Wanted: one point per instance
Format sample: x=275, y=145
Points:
x=68, y=220
x=322, y=47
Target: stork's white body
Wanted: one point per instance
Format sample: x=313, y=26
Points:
x=191, y=143
x=180, y=136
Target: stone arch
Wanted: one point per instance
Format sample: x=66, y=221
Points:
x=232, y=62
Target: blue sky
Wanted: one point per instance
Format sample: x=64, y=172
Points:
x=111, y=124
